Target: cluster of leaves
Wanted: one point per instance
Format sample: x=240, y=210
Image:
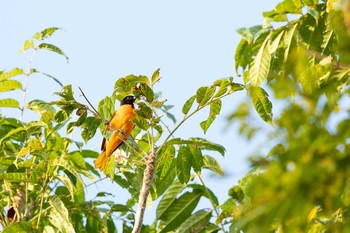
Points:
x=302, y=184
x=43, y=172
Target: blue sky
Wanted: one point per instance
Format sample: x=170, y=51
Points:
x=192, y=42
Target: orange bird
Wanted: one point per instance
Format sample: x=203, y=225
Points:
x=120, y=126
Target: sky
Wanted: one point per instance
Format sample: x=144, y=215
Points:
x=192, y=42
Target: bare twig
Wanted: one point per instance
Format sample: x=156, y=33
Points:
x=87, y=100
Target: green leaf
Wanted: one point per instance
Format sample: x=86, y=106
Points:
x=146, y=91
x=179, y=211
x=201, y=143
x=223, y=84
x=206, y=192
x=204, y=94
x=183, y=164
x=106, y=108
x=164, y=160
x=261, y=103
x=59, y=216
x=212, y=164
x=40, y=107
x=197, y=157
x=47, y=32
x=9, y=103
x=215, y=107
x=242, y=55
x=287, y=39
x=276, y=40
x=249, y=33
x=53, y=48
x=144, y=111
x=156, y=76
x=89, y=127
x=196, y=222
x=169, y=198
x=188, y=104
x=126, y=84
x=259, y=68
x=19, y=227
x=328, y=35
x=9, y=74
x=28, y=44
x=161, y=184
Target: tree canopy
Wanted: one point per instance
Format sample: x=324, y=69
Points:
x=298, y=60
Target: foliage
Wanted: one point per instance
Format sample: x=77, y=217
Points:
x=301, y=184
x=299, y=56
x=44, y=173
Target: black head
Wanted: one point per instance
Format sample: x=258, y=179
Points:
x=130, y=99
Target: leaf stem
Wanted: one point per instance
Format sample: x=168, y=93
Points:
x=29, y=67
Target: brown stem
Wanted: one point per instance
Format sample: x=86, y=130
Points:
x=146, y=185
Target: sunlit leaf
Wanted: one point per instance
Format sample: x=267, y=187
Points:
x=53, y=48
x=212, y=164
x=242, y=55
x=287, y=39
x=224, y=85
x=215, y=108
x=261, y=103
x=19, y=227
x=11, y=73
x=28, y=44
x=9, y=103
x=260, y=66
x=156, y=76
x=59, y=216
x=204, y=94
x=188, y=104
x=249, y=33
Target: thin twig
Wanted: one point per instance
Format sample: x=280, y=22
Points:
x=29, y=67
x=95, y=111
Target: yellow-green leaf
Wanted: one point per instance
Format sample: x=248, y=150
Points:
x=9, y=85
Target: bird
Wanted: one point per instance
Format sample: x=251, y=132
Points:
x=120, y=127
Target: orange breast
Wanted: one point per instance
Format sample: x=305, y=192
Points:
x=121, y=124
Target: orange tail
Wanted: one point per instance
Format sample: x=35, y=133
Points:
x=101, y=161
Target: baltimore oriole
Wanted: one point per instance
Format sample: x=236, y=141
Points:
x=120, y=126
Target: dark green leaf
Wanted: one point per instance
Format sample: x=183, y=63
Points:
x=183, y=164
x=179, y=211
x=89, y=128
x=197, y=157
x=168, y=199
x=196, y=222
